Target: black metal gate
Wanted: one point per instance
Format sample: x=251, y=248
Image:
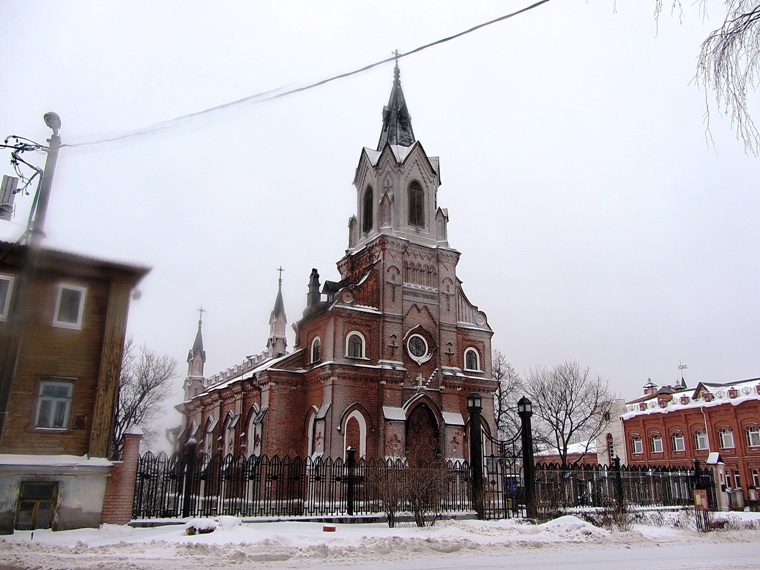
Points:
x=504, y=483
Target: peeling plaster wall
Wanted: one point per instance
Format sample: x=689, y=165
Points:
x=81, y=489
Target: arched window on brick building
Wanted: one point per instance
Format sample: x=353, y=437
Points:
x=700, y=440
x=416, y=205
x=316, y=350
x=367, y=210
x=678, y=441
x=355, y=433
x=471, y=359
x=355, y=345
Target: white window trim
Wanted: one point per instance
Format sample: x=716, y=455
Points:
x=696, y=440
x=419, y=359
x=364, y=344
x=229, y=441
x=637, y=449
x=312, y=420
x=311, y=352
x=679, y=437
x=9, y=295
x=753, y=431
x=722, y=437
x=67, y=414
x=362, y=451
x=63, y=324
x=656, y=438
x=477, y=359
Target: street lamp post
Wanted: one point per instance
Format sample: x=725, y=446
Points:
x=525, y=411
x=19, y=311
x=474, y=406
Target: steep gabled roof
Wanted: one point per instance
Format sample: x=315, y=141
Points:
x=397, y=122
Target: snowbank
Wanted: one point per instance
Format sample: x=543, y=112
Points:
x=300, y=544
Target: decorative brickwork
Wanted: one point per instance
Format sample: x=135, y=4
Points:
x=676, y=425
x=392, y=335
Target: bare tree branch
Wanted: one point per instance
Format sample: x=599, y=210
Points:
x=729, y=65
x=506, y=396
x=570, y=406
x=144, y=383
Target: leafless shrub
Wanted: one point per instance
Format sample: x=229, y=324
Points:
x=388, y=484
x=425, y=488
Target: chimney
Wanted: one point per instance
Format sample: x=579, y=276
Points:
x=650, y=388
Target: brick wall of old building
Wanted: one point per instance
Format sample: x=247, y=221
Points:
x=120, y=489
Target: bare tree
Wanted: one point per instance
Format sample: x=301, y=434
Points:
x=729, y=64
x=144, y=383
x=569, y=405
x=506, y=395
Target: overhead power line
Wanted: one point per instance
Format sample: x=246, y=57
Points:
x=279, y=93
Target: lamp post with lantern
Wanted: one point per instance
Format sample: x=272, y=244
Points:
x=525, y=411
x=474, y=406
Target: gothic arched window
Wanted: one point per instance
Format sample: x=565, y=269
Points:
x=316, y=350
x=355, y=345
x=367, y=213
x=416, y=205
x=471, y=359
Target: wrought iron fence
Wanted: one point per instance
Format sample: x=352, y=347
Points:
x=261, y=486
x=561, y=488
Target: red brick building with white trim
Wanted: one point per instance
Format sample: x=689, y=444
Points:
x=674, y=425
x=384, y=358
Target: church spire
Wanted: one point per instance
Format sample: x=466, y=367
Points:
x=277, y=342
x=196, y=358
x=397, y=122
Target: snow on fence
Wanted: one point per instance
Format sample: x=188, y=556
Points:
x=599, y=486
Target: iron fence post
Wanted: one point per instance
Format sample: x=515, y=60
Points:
x=189, y=473
x=618, y=484
x=350, y=464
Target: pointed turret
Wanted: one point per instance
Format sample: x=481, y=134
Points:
x=397, y=184
x=277, y=343
x=397, y=122
x=196, y=358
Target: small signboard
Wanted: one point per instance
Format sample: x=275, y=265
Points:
x=700, y=499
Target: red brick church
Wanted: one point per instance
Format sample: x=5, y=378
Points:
x=385, y=358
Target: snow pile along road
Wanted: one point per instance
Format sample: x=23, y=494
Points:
x=304, y=544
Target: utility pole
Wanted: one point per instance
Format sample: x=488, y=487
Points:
x=19, y=313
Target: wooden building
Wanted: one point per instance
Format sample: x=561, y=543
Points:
x=59, y=388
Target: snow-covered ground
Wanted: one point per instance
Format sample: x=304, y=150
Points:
x=657, y=540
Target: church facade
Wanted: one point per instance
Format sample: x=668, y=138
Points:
x=384, y=358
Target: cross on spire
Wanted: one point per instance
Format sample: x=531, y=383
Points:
x=280, y=269
x=201, y=310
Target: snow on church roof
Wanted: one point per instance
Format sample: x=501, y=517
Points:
x=399, y=153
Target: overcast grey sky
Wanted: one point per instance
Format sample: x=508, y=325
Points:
x=595, y=222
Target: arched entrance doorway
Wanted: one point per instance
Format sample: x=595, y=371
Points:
x=422, y=436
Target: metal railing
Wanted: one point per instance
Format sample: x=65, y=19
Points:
x=182, y=485
x=562, y=488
